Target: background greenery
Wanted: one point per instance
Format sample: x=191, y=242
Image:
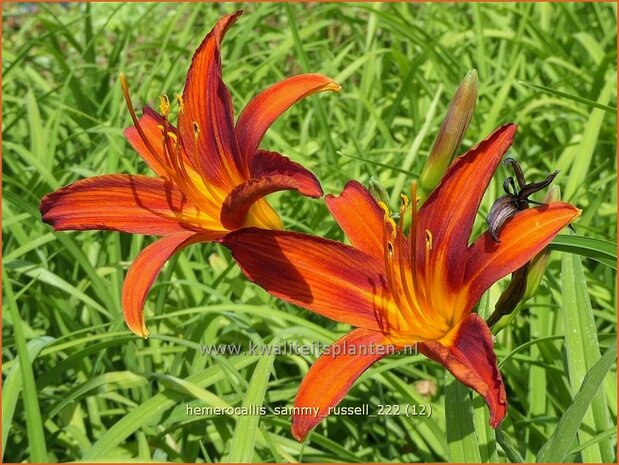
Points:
x=78, y=386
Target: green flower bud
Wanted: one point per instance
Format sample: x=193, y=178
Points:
x=451, y=133
x=378, y=191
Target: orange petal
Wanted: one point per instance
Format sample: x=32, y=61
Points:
x=470, y=357
x=450, y=210
x=128, y=203
x=326, y=277
x=360, y=217
x=333, y=374
x=145, y=269
x=521, y=238
x=207, y=103
x=268, y=105
x=270, y=172
x=150, y=123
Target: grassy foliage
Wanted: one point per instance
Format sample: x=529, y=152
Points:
x=80, y=386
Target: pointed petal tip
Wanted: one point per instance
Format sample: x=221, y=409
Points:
x=298, y=432
x=469, y=356
x=331, y=86
x=138, y=328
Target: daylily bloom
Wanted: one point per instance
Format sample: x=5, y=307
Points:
x=399, y=290
x=211, y=176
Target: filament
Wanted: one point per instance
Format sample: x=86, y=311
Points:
x=134, y=118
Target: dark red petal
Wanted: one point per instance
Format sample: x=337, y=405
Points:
x=270, y=172
x=118, y=202
x=470, y=358
x=330, y=378
x=269, y=104
x=207, y=102
x=360, y=217
x=326, y=277
x=144, y=271
x=521, y=238
x=450, y=210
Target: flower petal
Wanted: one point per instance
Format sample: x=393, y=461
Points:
x=326, y=277
x=145, y=269
x=450, y=210
x=330, y=378
x=207, y=103
x=271, y=172
x=469, y=356
x=150, y=123
x=521, y=238
x=269, y=104
x=118, y=202
x=360, y=217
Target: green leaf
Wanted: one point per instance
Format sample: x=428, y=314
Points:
x=462, y=443
x=557, y=447
x=12, y=386
x=242, y=444
x=34, y=422
x=580, y=164
x=153, y=408
x=582, y=350
x=597, y=249
x=575, y=98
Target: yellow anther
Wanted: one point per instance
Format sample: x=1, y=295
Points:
x=164, y=105
x=161, y=128
x=428, y=239
x=172, y=136
x=390, y=249
x=392, y=225
x=181, y=104
x=403, y=206
x=404, y=200
x=383, y=206
x=196, y=129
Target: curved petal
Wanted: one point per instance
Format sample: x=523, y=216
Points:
x=330, y=378
x=271, y=172
x=119, y=202
x=151, y=123
x=360, y=217
x=269, y=104
x=469, y=356
x=145, y=269
x=326, y=277
x=521, y=238
x=450, y=210
x=207, y=103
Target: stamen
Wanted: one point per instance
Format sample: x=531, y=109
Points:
x=196, y=134
x=383, y=206
x=390, y=249
x=427, y=277
x=428, y=240
x=403, y=202
x=408, y=283
x=134, y=118
x=388, y=219
x=412, y=233
x=164, y=105
x=181, y=104
x=389, y=269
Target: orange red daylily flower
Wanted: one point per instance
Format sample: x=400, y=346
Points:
x=211, y=176
x=402, y=289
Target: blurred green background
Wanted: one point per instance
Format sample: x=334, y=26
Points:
x=77, y=385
